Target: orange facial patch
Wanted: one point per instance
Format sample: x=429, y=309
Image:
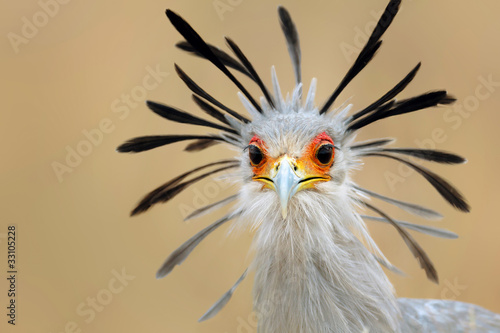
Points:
x=259, y=168
x=310, y=159
x=307, y=166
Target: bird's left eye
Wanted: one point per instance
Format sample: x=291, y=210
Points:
x=324, y=154
x=255, y=155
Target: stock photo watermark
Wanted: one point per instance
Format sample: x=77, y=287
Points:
x=12, y=274
x=361, y=35
x=120, y=107
x=202, y=195
x=454, y=116
x=452, y=290
x=90, y=308
x=222, y=7
x=32, y=24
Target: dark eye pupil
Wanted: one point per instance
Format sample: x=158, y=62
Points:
x=255, y=155
x=325, y=153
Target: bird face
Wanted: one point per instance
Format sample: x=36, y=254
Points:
x=288, y=171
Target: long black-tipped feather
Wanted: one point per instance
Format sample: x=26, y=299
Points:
x=372, y=143
x=199, y=91
x=200, y=144
x=420, y=102
x=367, y=52
x=214, y=309
x=363, y=59
x=181, y=253
x=447, y=191
x=292, y=41
x=199, y=44
x=388, y=96
x=207, y=208
x=244, y=60
x=426, y=154
x=223, y=56
x=210, y=110
x=144, y=143
x=179, y=116
x=409, y=207
x=424, y=229
x=173, y=187
x=415, y=248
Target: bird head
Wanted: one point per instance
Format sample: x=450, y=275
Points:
x=290, y=154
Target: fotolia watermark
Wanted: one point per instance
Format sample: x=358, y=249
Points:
x=89, y=309
x=30, y=26
x=455, y=116
x=93, y=137
x=223, y=6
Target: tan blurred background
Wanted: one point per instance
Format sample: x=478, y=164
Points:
x=71, y=75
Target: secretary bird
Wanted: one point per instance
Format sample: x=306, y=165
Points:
x=316, y=267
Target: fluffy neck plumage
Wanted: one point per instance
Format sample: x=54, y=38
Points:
x=313, y=275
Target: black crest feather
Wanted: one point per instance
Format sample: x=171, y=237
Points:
x=393, y=108
x=200, y=92
x=388, y=96
x=447, y=191
x=144, y=143
x=368, y=51
x=210, y=110
x=244, y=60
x=426, y=154
x=292, y=41
x=223, y=56
x=179, y=116
x=199, y=44
x=173, y=187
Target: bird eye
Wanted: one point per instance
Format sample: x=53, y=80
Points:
x=324, y=154
x=255, y=155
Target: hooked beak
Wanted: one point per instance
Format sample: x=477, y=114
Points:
x=288, y=177
x=286, y=183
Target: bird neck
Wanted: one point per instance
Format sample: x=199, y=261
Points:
x=313, y=275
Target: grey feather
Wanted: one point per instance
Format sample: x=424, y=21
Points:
x=208, y=208
x=388, y=265
x=446, y=316
x=409, y=207
x=431, y=231
x=182, y=252
x=372, y=143
x=214, y=309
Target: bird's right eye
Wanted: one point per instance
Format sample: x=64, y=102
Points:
x=255, y=155
x=325, y=153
